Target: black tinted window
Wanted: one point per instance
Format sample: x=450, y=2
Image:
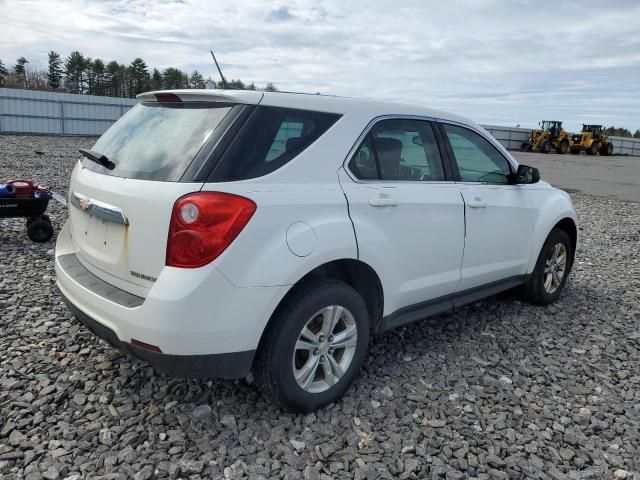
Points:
x=363, y=164
x=270, y=138
x=399, y=150
x=477, y=159
x=157, y=142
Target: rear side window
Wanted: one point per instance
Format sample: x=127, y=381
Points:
x=399, y=150
x=270, y=139
x=157, y=141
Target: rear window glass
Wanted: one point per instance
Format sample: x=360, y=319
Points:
x=270, y=138
x=157, y=142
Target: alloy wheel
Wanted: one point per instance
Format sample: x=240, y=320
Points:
x=325, y=349
x=555, y=268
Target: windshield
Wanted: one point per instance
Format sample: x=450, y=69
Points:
x=157, y=142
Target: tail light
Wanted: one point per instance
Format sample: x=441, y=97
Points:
x=168, y=98
x=203, y=225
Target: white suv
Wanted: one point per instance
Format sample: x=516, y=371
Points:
x=213, y=233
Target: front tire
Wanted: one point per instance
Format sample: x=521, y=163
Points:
x=314, y=346
x=552, y=269
x=545, y=147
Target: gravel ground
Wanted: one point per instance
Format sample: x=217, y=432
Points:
x=502, y=389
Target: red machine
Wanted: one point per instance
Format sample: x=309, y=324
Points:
x=24, y=198
x=24, y=188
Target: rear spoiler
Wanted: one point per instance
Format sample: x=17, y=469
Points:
x=248, y=97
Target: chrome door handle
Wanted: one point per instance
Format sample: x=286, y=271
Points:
x=383, y=202
x=477, y=203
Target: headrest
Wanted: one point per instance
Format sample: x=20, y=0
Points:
x=387, y=145
x=292, y=143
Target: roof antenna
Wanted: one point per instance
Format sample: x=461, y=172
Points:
x=224, y=82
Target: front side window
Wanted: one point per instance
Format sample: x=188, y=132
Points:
x=399, y=150
x=477, y=159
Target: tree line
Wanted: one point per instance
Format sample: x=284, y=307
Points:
x=83, y=75
x=621, y=132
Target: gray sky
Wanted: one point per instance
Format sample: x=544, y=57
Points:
x=498, y=62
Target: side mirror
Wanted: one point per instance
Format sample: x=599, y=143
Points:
x=527, y=174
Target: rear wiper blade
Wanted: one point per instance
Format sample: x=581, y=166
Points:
x=99, y=158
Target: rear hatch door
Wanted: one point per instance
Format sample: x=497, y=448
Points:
x=120, y=216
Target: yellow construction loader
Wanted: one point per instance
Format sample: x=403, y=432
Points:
x=592, y=140
x=550, y=135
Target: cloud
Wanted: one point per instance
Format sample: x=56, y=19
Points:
x=495, y=62
x=279, y=15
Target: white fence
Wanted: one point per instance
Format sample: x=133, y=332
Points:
x=29, y=111
x=511, y=138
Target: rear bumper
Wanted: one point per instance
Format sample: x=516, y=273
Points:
x=221, y=365
x=203, y=324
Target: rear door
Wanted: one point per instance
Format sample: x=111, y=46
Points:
x=120, y=217
x=499, y=216
x=408, y=216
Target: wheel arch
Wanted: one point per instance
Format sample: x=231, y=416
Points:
x=356, y=273
x=555, y=211
x=566, y=222
x=569, y=226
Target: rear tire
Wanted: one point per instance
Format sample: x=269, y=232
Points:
x=563, y=147
x=606, y=149
x=298, y=340
x=543, y=287
x=593, y=149
x=40, y=230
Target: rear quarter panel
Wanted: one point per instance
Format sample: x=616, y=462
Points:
x=304, y=190
x=261, y=254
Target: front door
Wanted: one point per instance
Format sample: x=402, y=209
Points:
x=499, y=216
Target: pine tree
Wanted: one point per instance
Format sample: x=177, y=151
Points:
x=112, y=79
x=236, y=84
x=75, y=73
x=156, y=80
x=21, y=71
x=98, y=73
x=172, y=78
x=54, y=77
x=3, y=74
x=139, y=77
x=196, y=80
